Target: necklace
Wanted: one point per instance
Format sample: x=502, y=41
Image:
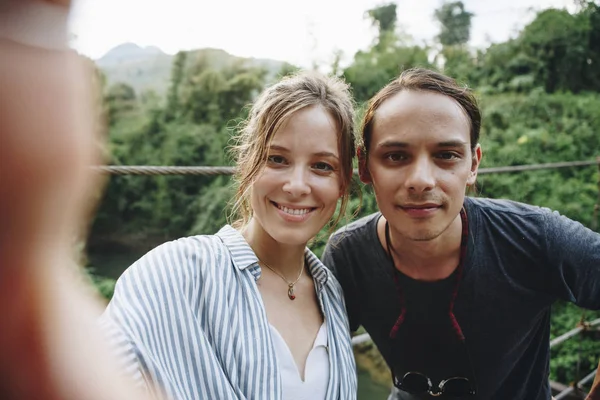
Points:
x=291, y=294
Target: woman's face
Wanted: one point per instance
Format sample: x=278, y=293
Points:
x=296, y=193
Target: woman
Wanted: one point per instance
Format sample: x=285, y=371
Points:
x=251, y=313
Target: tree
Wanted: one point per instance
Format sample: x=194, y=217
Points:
x=455, y=23
x=120, y=98
x=384, y=19
x=559, y=41
x=386, y=58
x=177, y=75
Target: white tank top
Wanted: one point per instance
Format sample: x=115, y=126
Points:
x=316, y=373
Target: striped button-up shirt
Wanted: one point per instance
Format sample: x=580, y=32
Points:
x=188, y=318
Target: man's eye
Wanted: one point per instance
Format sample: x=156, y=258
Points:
x=323, y=166
x=448, y=156
x=276, y=160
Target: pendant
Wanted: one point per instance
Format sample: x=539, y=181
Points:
x=291, y=294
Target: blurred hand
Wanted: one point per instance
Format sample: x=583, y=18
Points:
x=50, y=345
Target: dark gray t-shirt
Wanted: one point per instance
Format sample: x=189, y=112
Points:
x=519, y=260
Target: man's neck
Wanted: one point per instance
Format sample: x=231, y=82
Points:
x=427, y=260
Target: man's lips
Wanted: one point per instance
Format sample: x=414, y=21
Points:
x=420, y=211
x=424, y=206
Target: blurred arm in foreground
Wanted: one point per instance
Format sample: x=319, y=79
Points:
x=595, y=390
x=50, y=345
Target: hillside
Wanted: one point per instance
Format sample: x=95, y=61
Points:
x=149, y=68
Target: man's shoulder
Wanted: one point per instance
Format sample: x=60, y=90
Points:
x=504, y=207
x=512, y=218
x=356, y=229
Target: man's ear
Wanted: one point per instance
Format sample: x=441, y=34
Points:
x=363, y=169
x=475, y=161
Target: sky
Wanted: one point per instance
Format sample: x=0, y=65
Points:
x=302, y=32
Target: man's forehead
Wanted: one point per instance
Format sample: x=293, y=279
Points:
x=410, y=104
x=446, y=142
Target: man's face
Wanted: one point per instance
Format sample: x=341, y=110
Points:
x=420, y=162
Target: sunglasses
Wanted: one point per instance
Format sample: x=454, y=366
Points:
x=417, y=383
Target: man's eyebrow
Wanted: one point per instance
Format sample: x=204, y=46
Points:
x=392, y=143
x=449, y=143
x=453, y=143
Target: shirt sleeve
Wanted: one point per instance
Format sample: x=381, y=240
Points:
x=335, y=258
x=574, y=252
x=124, y=351
x=142, y=318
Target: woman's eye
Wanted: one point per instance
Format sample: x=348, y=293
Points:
x=276, y=160
x=395, y=157
x=322, y=166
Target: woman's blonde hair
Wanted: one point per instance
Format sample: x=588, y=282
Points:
x=273, y=107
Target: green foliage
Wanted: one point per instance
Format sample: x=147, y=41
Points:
x=177, y=75
x=374, y=68
x=557, y=42
x=384, y=18
x=577, y=356
x=120, y=100
x=557, y=51
x=105, y=287
x=458, y=63
x=211, y=206
x=455, y=22
x=541, y=128
x=191, y=128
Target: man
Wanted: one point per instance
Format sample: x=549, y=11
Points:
x=49, y=341
x=455, y=291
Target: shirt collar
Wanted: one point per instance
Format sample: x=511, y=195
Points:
x=243, y=256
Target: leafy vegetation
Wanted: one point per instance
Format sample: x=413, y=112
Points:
x=540, y=94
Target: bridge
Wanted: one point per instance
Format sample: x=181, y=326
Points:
x=571, y=391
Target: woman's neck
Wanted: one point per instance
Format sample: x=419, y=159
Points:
x=287, y=259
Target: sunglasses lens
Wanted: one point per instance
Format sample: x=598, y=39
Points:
x=415, y=383
x=457, y=387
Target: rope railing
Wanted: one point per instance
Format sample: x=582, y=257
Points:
x=577, y=386
x=162, y=170
x=573, y=332
x=213, y=171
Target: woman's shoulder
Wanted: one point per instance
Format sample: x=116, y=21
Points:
x=187, y=256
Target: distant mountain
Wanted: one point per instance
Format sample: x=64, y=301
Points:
x=142, y=68
x=127, y=53
x=149, y=68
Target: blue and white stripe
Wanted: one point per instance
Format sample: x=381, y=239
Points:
x=188, y=318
